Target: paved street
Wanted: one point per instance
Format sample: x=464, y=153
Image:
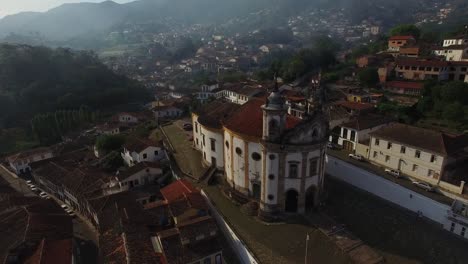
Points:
x=16, y=183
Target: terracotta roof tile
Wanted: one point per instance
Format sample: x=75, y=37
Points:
x=405, y=85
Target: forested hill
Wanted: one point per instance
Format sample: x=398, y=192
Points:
x=38, y=79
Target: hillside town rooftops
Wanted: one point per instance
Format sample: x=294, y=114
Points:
x=366, y=122
x=28, y=154
x=213, y=114
x=405, y=85
x=139, y=144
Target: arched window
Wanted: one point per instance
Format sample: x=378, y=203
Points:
x=272, y=128
x=238, y=151
x=227, y=144
x=256, y=156
x=314, y=133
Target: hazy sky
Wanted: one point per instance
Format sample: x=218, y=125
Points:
x=8, y=7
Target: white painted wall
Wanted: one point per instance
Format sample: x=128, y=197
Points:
x=207, y=152
x=23, y=165
x=408, y=158
x=271, y=186
x=239, y=163
x=126, y=118
x=387, y=190
x=243, y=253
x=152, y=154
x=227, y=156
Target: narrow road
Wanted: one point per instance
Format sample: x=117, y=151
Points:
x=16, y=183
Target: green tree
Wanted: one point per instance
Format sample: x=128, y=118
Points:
x=406, y=29
x=368, y=77
x=107, y=143
x=453, y=112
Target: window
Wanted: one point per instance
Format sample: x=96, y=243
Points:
x=136, y=182
x=403, y=149
x=156, y=153
x=227, y=144
x=462, y=233
x=213, y=144
x=430, y=173
x=145, y=156
x=415, y=167
x=452, y=227
x=387, y=158
x=377, y=141
x=271, y=177
x=313, y=164
x=353, y=135
x=197, y=141
x=389, y=145
x=375, y=154
x=207, y=260
x=417, y=154
x=433, y=158
x=271, y=197
x=238, y=151
x=413, y=68
x=204, y=142
x=436, y=69
x=293, y=170
x=345, y=133
x=256, y=156
x=272, y=128
x=272, y=156
x=196, y=127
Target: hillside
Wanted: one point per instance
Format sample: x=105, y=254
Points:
x=78, y=21
x=36, y=79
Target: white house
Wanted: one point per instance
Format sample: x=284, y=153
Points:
x=458, y=40
x=265, y=153
x=453, y=52
x=357, y=130
x=108, y=129
x=206, y=92
x=458, y=219
x=239, y=93
x=143, y=173
x=140, y=150
x=167, y=111
x=20, y=162
x=420, y=153
x=127, y=118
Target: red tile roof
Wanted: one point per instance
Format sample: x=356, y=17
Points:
x=248, y=120
x=52, y=252
x=177, y=190
x=405, y=85
x=401, y=38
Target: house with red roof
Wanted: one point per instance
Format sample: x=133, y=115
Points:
x=403, y=87
x=396, y=42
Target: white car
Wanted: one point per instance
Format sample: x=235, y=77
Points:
x=356, y=157
x=28, y=182
x=33, y=188
x=394, y=173
x=44, y=195
x=30, y=185
x=423, y=185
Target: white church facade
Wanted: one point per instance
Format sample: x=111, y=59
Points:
x=265, y=153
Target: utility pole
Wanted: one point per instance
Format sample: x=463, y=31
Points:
x=307, y=247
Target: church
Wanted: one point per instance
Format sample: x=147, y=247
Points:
x=265, y=153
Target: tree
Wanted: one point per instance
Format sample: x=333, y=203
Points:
x=406, y=29
x=453, y=112
x=368, y=77
x=107, y=143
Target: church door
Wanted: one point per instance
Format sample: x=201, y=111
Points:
x=291, y=201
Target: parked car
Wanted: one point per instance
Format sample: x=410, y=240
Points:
x=28, y=182
x=44, y=195
x=394, y=173
x=187, y=126
x=423, y=185
x=356, y=157
x=34, y=188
